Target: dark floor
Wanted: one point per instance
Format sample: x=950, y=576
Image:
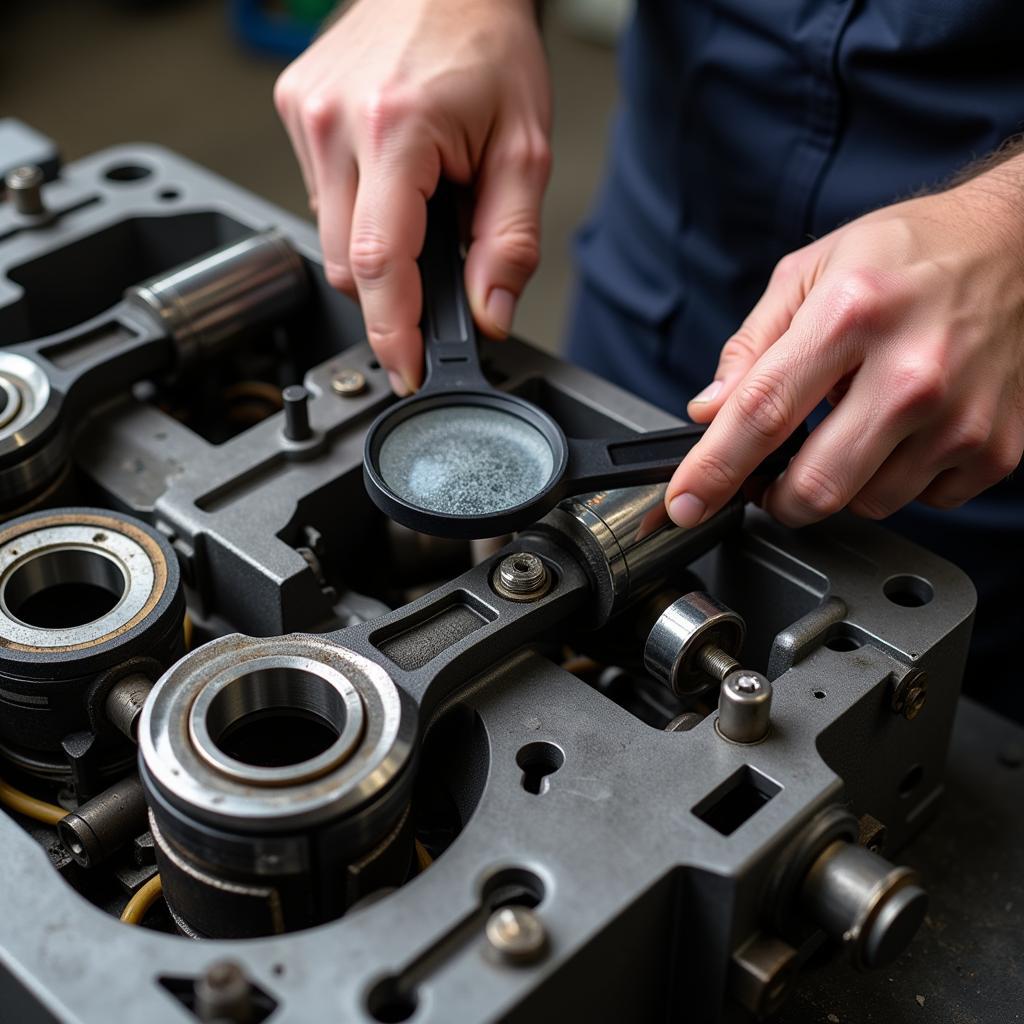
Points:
x=91, y=73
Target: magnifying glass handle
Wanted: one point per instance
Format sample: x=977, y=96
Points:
x=449, y=334
x=652, y=458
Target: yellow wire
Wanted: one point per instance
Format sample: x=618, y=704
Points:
x=37, y=810
x=138, y=906
x=423, y=858
x=186, y=627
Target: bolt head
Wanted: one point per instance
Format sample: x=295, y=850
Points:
x=516, y=934
x=348, y=383
x=522, y=577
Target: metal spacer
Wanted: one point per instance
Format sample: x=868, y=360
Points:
x=516, y=934
x=348, y=383
x=522, y=577
x=910, y=693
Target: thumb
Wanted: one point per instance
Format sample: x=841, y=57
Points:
x=506, y=229
x=765, y=324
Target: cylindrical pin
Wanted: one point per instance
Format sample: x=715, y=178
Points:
x=745, y=706
x=25, y=190
x=296, y=413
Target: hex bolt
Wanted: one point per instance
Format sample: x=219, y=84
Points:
x=910, y=693
x=296, y=413
x=516, y=934
x=348, y=383
x=124, y=703
x=522, y=577
x=223, y=993
x=744, y=707
x=25, y=190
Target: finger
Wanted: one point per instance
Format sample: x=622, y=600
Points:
x=285, y=102
x=765, y=324
x=878, y=411
x=388, y=228
x=774, y=397
x=505, y=248
x=1000, y=458
x=336, y=191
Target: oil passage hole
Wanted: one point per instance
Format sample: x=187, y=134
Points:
x=908, y=591
x=64, y=588
x=388, y=1002
x=843, y=643
x=127, y=172
x=276, y=717
x=911, y=780
x=539, y=761
x=820, y=694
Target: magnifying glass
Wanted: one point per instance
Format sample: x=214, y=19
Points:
x=461, y=458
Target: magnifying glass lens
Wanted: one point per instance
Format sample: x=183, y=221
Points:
x=465, y=460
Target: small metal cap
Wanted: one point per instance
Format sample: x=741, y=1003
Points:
x=516, y=934
x=223, y=993
x=296, y=413
x=910, y=693
x=744, y=707
x=522, y=577
x=692, y=643
x=348, y=383
x=25, y=190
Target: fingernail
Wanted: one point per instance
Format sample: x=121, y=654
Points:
x=708, y=394
x=501, y=305
x=686, y=509
x=398, y=385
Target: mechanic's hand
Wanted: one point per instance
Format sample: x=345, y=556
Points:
x=910, y=321
x=391, y=97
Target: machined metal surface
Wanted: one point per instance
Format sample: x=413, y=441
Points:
x=665, y=866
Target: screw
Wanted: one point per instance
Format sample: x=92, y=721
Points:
x=716, y=662
x=296, y=413
x=516, y=934
x=24, y=186
x=522, y=577
x=348, y=383
x=910, y=693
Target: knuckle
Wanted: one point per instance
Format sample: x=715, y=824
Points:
x=765, y=404
x=339, y=276
x=1001, y=459
x=966, y=437
x=788, y=267
x=714, y=470
x=942, y=500
x=869, y=505
x=519, y=248
x=917, y=382
x=816, y=490
x=383, y=111
x=283, y=93
x=530, y=152
x=858, y=301
x=317, y=114
x=370, y=258
x=740, y=347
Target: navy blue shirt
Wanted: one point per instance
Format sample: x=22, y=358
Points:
x=749, y=127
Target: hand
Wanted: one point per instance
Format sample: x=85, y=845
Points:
x=393, y=96
x=910, y=321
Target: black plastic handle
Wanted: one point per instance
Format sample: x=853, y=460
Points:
x=449, y=335
x=652, y=458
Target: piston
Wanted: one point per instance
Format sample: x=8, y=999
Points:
x=278, y=774
x=86, y=598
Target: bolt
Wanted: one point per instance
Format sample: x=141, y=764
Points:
x=348, y=383
x=910, y=693
x=522, y=577
x=296, y=413
x=223, y=993
x=24, y=187
x=744, y=707
x=716, y=662
x=516, y=934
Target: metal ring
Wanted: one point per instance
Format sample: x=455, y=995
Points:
x=258, y=685
x=32, y=387
x=73, y=553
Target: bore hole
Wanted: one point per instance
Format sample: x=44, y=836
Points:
x=843, y=643
x=908, y=591
x=64, y=588
x=512, y=887
x=538, y=761
x=388, y=1001
x=820, y=694
x=373, y=364
x=911, y=780
x=127, y=172
x=276, y=717
x=168, y=195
